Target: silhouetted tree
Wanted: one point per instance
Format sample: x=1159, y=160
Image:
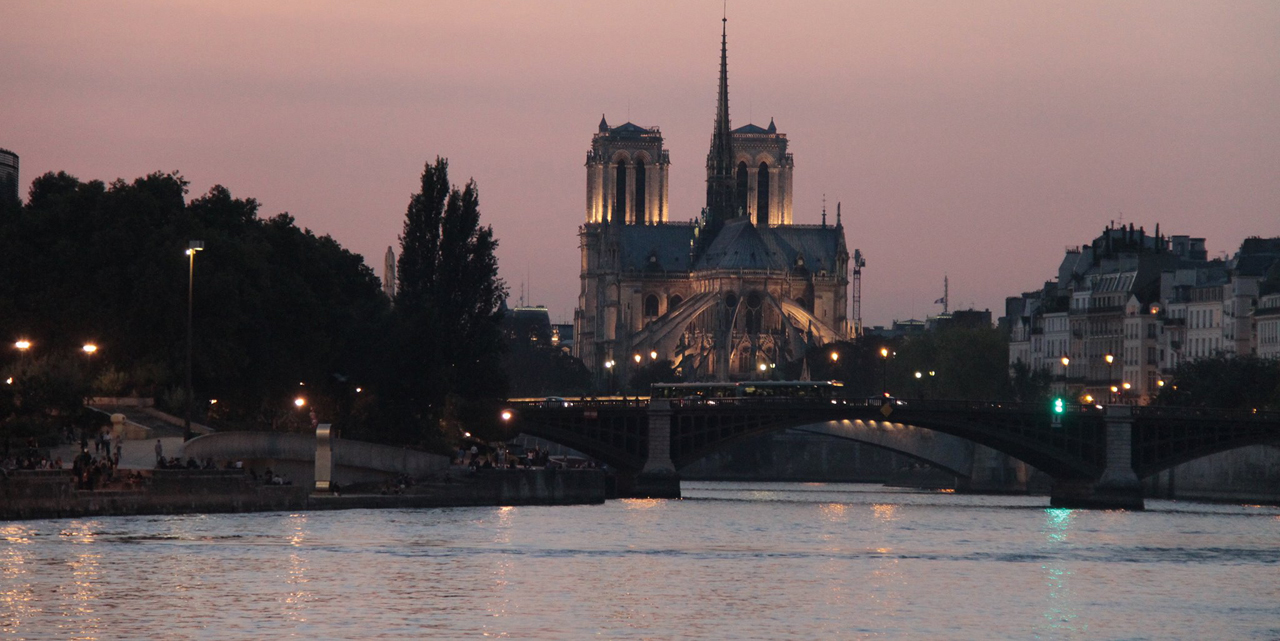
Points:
x=446, y=342
x=274, y=304
x=1245, y=382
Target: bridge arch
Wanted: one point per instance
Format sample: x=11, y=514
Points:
x=1074, y=450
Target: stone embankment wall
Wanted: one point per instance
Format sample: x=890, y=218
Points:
x=52, y=494
x=1248, y=474
x=294, y=455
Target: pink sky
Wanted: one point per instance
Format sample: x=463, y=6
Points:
x=975, y=139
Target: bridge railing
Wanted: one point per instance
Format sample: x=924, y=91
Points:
x=584, y=401
x=1166, y=412
x=929, y=405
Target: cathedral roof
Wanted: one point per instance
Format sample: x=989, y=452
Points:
x=739, y=245
x=742, y=245
x=661, y=247
x=819, y=245
x=629, y=129
x=751, y=129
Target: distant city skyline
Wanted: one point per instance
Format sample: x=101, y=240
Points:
x=974, y=140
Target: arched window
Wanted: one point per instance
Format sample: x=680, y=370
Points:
x=755, y=315
x=674, y=302
x=650, y=306
x=620, y=193
x=641, y=201
x=731, y=300
x=762, y=195
x=741, y=200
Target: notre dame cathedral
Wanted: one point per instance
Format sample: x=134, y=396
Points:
x=725, y=297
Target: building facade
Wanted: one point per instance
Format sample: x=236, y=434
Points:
x=9, y=176
x=1127, y=309
x=727, y=296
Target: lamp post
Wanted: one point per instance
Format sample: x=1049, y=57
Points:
x=192, y=247
x=22, y=345
x=884, y=371
x=1066, y=362
x=89, y=350
x=1111, y=359
x=608, y=366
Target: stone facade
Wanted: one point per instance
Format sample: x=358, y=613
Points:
x=1128, y=308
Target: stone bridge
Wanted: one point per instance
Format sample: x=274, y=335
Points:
x=1095, y=456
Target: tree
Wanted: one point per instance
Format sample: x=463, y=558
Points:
x=446, y=340
x=274, y=304
x=644, y=376
x=1244, y=382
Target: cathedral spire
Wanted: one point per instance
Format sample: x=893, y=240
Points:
x=720, y=182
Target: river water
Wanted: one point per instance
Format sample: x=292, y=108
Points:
x=732, y=560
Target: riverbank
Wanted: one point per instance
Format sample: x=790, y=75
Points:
x=52, y=493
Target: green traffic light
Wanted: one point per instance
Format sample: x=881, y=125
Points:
x=1059, y=406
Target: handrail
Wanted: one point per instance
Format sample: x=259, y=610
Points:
x=898, y=404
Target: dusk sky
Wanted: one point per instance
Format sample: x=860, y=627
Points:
x=973, y=139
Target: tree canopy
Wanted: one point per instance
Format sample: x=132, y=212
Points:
x=444, y=370
x=274, y=305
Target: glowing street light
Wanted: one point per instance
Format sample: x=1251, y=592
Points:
x=23, y=345
x=764, y=367
x=653, y=354
x=919, y=375
x=299, y=402
x=638, y=358
x=506, y=415
x=835, y=356
x=89, y=348
x=884, y=371
x=192, y=247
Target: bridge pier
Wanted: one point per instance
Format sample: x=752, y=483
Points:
x=659, y=478
x=1118, y=488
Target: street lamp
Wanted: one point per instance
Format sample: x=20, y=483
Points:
x=1111, y=359
x=23, y=345
x=884, y=371
x=835, y=356
x=89, y=350
x=608, y=366
x=299, y=402
x=653, y=354
x=192, y=247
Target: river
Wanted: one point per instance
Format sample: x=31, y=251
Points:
x=732, y=560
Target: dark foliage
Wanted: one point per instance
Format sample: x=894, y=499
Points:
x=959, y=363
x=274, y=305
x=443, y=369
x=1245, y=382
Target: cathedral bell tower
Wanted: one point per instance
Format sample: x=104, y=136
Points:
x=627, y=175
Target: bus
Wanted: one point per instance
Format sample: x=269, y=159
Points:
x=748, y=389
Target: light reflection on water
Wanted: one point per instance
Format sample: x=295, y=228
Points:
x=733, y=561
